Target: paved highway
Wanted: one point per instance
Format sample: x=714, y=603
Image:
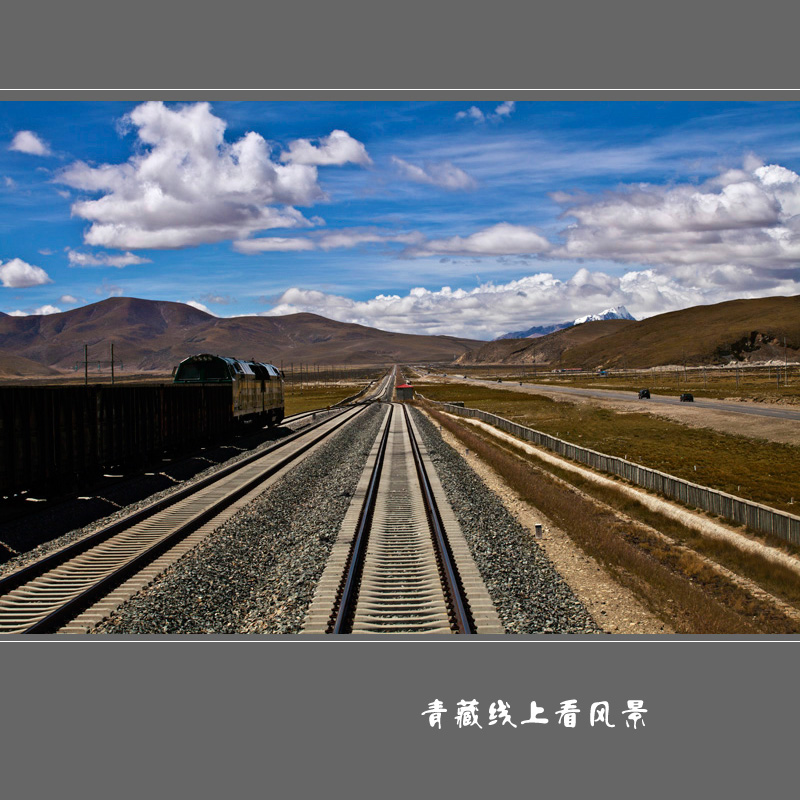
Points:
x=754, y=409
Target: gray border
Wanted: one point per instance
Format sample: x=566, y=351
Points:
x=267, y=716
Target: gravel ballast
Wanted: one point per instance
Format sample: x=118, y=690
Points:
x=258, y=572
x=529, y=595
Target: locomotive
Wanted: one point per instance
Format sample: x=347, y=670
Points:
x=256, y=388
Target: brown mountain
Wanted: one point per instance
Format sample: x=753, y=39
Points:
x=546, y=349
x=745, y=330
x=156, y=335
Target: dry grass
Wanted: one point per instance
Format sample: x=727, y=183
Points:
x=674, y=584
x=764, y=472
x=312, y=397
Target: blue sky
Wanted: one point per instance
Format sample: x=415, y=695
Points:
x=462, y=218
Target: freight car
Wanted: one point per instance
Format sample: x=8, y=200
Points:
x=256, y=388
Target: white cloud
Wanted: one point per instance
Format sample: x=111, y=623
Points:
x=9, y=182
x=489, y=310
x=68, y=300
x=505, y=109
x=499, y=240
x=185, y=185
x=336, y=149
x=29, y=142
x=343, y=238
x=349, y=237
x=77, y=259
x=41, y=311
x=17, y=274
x=473, y=112
x=443, y=174
x=743, y=218
x=272, y=244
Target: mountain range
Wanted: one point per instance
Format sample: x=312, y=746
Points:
x=737, y=330
x=155, y=335
x=618, y=312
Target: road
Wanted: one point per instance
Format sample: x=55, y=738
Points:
x=753, y=409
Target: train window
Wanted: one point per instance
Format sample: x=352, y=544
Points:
x=206, y=370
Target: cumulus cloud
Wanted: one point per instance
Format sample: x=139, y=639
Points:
x=502, y=111
x=489, y=310
x=18, y=274
x=338, y=148
x=502, y=239
x=77, y=259
x=186, y=185
x=747, y=218
x=68, y=300
x=41, y=311
x=443, y=174
x=29, y=142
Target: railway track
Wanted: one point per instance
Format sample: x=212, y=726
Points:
x=76, y=586
x=400, y=563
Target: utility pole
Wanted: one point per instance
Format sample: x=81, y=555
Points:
x=112, y=363
x=86, y=365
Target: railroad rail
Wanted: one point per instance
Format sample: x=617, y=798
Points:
x=400, y=563
x=44, y=596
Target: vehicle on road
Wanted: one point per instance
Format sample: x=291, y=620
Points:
x=644, y=394
x=687, y=397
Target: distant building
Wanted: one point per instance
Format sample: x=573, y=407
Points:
x=404, y=392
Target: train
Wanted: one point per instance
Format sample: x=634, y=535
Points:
x=257, y=390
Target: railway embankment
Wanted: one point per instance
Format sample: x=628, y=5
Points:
x=257, y=573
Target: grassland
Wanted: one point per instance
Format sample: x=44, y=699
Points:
x=775, y=384
x=314, y=396
x=764, y=472
x=672, y=579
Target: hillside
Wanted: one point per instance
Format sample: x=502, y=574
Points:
x=17, y=367
x=154, y=335
x=546, y=349
x=741, y=330
x=617, y=312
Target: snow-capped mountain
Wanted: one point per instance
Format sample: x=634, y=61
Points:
x=618, y=312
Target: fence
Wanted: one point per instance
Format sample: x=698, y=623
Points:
x=52, y=437
x=755, y=516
